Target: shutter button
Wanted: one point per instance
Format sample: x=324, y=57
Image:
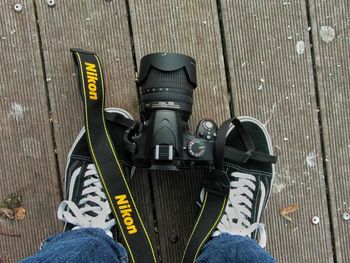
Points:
x=209, y=125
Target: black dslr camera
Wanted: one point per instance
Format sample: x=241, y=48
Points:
x=162, y=141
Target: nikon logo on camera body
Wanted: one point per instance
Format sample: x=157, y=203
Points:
x=92, y=78
x=125, y=210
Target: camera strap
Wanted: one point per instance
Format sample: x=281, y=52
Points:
x=106, y=160
x=113, y=178
x=217, y=189
x=217, y=185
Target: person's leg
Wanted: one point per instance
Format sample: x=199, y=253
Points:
x=81, y=245
x=235, y=249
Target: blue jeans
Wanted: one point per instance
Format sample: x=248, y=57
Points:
x=93, y=245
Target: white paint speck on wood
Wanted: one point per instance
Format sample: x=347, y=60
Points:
x=327, y=33
x=300, y=47
x=17, y=111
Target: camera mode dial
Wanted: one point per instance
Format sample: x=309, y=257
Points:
x=196, y=148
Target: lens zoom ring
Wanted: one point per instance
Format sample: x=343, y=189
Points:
x=188, y=92
x=166, y=96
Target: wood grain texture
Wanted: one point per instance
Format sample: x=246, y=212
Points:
x=333, y=78
x=102, y=27
x=176, y=194
x=274, y=83
x=192, y=28
x=27, y=163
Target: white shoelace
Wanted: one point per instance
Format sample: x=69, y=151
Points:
x=235, y=219
x=94, y=210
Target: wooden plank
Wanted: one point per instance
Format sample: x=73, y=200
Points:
x=274, y=83
x=27, y=163
x=100, y=26
x=191, y=28
x=333, y=77
x=176, y=194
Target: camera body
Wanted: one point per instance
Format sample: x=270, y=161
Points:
x=165, y=143
x=162, y=140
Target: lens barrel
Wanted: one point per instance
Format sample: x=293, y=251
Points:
x=167, y=81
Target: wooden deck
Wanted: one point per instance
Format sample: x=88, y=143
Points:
x=285, y=62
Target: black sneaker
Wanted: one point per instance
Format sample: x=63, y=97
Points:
x=251, y=172
x=85, y=203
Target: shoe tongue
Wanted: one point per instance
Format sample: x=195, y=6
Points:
x=90, y=213
x=91, y=204
x=251, y=209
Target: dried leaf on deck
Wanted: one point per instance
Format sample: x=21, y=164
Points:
x=287, y=210
x=20, y=213
x=7, y=213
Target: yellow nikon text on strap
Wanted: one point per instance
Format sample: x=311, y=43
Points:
x=125, y=210
x=92, y=78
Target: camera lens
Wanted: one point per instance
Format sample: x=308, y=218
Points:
x=167, y=81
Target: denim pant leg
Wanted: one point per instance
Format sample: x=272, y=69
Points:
x=235, y=249
x=81, y=245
